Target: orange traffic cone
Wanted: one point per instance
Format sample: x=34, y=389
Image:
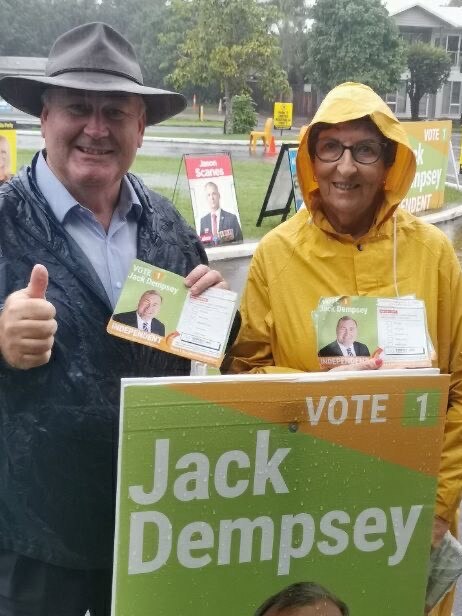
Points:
x=272, y=147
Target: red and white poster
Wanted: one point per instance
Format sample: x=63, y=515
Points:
x=213, y=198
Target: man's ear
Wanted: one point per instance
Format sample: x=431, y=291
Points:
x=141, y=129
x=43, y=120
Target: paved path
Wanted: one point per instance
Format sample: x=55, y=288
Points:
x=169, y=146
x=176, y=147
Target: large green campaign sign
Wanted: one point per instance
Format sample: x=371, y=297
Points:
x=230, y=489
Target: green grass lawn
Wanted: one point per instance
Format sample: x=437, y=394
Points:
x=251, y=181
x=251, y=178
x=190, y=121
x=195, y=133
x=452, y=195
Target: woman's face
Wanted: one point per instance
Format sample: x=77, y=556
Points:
x=349, y=189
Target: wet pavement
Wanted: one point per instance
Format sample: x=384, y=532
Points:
x=156, y=146
x=234, y=271
x=175, y=147
x=453, y=229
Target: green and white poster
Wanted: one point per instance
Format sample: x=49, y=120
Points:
x=232, y=488
x=350, y=330
x=430, y=142
x=155, y=308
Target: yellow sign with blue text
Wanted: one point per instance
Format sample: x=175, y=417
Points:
x=283, y=115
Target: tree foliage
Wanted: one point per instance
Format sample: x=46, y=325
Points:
x=244, y=117
x=229, y=43
x=429, y=68
x=291, y=27
x=30, y=27
x=354, y=40
x=213, y=44
x=179, y=19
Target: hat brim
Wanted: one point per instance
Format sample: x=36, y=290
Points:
x=25, y=93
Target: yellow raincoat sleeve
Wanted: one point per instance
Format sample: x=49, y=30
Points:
x=450, y=475
x=252, y=351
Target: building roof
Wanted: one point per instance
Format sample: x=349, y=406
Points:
x=16, y=65
x=452, y=15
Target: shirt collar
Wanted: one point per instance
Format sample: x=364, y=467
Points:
x=61, y=201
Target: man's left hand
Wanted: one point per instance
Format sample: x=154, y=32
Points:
x=202, y=277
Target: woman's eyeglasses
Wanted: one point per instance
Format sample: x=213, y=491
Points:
x=363, y=152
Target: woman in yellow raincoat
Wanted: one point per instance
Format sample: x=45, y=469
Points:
x=354, y=166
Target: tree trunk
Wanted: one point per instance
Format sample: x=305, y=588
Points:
x=415, y=100
x=227, y=126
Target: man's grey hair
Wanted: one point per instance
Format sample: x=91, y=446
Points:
x=151, y=292
x=347, y=318
x=299, y=595
x=211, y=184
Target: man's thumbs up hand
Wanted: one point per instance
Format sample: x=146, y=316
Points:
x=38, y=282
x=27, y=324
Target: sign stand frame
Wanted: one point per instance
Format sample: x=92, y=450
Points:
x=283, y=211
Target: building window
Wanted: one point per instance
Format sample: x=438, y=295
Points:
x=390, y=99
x=446, y=98
x=453, y=48
x=451, y=99
x=397, y=101
x=401, y=100
x=415, y=36
x=454, y=108
x=423, y=106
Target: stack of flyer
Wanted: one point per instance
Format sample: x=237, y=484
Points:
x=155, y=308
x=351, y=330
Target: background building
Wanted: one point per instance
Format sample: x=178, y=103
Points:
x=440, y=26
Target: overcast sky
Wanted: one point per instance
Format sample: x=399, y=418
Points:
x=396, y=3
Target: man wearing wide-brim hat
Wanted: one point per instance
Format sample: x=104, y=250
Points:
x=71, y=224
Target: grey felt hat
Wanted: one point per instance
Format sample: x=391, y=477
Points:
x=92, y=57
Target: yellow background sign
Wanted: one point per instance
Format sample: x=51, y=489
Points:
x=8, y=154
x=283, y=115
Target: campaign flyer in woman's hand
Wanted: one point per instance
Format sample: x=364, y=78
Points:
x=351, y=330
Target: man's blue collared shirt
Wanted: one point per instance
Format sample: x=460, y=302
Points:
x=111, y=253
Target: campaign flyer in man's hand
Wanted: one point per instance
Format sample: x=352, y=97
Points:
x=156, y=308
x=351, y=330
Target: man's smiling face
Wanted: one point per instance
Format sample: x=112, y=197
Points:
x=347, y=331
x=91, y=138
